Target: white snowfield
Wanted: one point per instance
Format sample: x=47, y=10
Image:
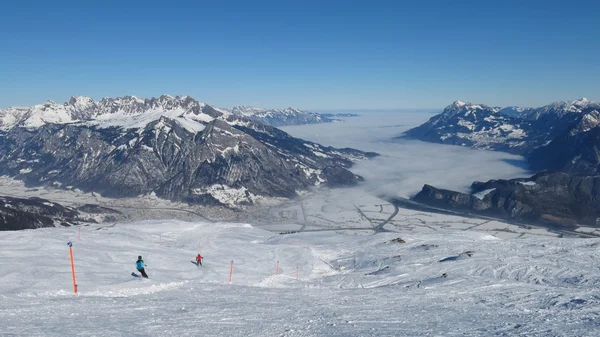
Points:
x=329, y=283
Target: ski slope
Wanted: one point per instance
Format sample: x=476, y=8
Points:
x=328, y=283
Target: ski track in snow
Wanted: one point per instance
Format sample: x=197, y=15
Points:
x=348, y=285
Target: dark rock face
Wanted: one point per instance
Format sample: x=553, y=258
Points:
x=560, y=136
x=337, y=176
x=552, y=198
x=17, y=214
x=577, y=153
x=220, y=160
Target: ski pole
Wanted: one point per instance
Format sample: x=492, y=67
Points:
x=70, y=244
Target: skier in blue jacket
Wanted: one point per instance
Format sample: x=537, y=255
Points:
x=140, y=266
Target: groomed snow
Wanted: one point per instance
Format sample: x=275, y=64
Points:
x=347, y=285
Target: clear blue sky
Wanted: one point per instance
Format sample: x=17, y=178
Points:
x=308, y=54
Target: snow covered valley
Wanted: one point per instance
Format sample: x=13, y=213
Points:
x=445, y=282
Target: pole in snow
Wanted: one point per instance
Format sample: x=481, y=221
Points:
x=230, y=271
x=297, y=272
x=70, y=244
x=277, y=269
x=79, y=233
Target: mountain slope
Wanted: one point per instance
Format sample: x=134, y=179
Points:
x=175, y=147
x=539, y=133
x=32, y=213
x=18, y=213
x=577, y=153
x=474, y=125
x=327, y=283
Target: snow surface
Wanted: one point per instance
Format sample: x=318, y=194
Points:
x=347, y=285
x=482, y=194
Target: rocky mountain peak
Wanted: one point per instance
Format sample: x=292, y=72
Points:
x=80, y=101
x=560, y=135
x=176, y=147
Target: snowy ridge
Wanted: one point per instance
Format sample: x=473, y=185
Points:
x=126, y=112
x=563, y=108
x=511, y=129
x=280, y=117
x=475, y=125
x=134, y=112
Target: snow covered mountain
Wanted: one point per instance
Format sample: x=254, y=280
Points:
x=277, y=117
x=560, y=110
x=128, y=111
x=526, y=131
x=475, y=125
x=175, y=147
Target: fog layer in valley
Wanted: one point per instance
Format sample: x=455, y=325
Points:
x=405, y=165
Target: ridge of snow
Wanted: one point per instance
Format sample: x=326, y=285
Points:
x=126, y=111
x=250, y=111
x=482, y=194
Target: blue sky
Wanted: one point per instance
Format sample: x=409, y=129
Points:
x=307, y=54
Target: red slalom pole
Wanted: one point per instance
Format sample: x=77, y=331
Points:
x=70, y=244
x=277, y=269
x=230, y=271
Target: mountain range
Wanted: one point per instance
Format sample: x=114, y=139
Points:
x=174, y=147
x=560, y=140
x=561, y=136
x=81, y=108
x=282, y=117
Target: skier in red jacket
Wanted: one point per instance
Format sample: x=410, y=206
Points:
x=199, y=259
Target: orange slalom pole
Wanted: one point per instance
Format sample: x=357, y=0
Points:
x=70, y=244
x=230, y=271
x=277, y=269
